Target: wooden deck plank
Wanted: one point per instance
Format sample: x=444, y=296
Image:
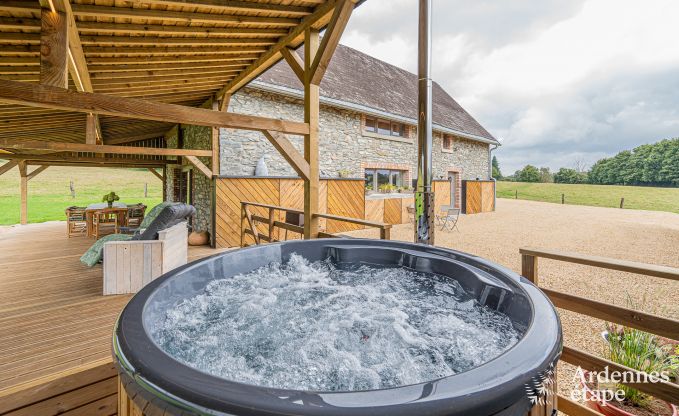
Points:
x=53, y=318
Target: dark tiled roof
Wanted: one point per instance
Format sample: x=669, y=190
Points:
x=358, y=78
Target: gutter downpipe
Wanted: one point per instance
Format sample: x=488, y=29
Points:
x=490, y=172
x=424, y=197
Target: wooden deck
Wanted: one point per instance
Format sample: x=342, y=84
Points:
x=53, y=318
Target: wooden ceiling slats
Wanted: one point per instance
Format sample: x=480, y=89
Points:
x=212, y=31
x=104, y=71
x=169, y=59
x=167, y=51
x=137, y=14
x=170, y=50
x=155, y=40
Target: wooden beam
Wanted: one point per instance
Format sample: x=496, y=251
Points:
x=23, y=216
x=333, y=33
x=295, y=62
x=54, y=49
x=90, y=130
x=144, y=51
x=149, y=69
x=199, y=165
x=311, y=117
x=57, y=98
x=69, y=157
x=98, y=164
x=119, y=150
x=224, y=102
x=36, y=172
x=7, y=166
x=156, y=174
x=273, y=55
x=175, y=16
x=289, y=153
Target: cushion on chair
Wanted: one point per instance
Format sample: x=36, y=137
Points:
x=94, y=254
x=169, y=216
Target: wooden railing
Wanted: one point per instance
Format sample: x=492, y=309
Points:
x=250, y=221
x=664, y=327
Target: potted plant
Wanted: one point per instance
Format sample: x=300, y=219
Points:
x=110, y=198
x=638, y=350
x=344, y=173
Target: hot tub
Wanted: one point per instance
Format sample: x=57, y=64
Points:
x=158, y=381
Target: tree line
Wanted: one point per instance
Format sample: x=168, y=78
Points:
x=654, y=164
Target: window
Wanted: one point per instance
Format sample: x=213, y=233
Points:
x=378, y=179
x=447, y=142
x=385, y=127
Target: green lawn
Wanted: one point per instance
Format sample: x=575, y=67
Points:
x=636, y=197
x=49, y=193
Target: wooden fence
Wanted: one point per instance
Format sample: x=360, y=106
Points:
x=664, y=327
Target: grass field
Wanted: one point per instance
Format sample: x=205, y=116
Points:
x=49, y=193
x=636, y=197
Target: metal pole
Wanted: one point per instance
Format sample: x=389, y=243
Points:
x=424, y=197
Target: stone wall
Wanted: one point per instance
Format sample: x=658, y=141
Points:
x=194, y=137
x=343, y=146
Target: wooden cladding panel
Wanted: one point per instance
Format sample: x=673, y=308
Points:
x=487, y=196
x=374, y=210
x=479, y=196
x=230, y=193
x=392, y=211
x=441, y=194
x=347, y=199
x=338, y=197
x=90, y=391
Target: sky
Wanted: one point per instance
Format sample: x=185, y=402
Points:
x=562, y=83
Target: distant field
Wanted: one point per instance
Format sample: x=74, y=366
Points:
x=49, y=193
x=636, y=197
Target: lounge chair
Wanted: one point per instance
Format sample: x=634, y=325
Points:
x=131, y=261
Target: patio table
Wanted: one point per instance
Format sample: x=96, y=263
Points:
x=119, y=208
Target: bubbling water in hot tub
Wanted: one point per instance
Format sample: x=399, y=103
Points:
x=320, y=326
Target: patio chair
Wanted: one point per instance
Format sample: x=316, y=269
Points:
x=76, y=221
x=449, y=221
x=135, y=215
x=104, y=222
x=443, y=212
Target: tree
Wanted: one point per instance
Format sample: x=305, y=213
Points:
x=497, y=174
x=648, y=164
x=528, y=174
x=546, y=175
x=567, y=175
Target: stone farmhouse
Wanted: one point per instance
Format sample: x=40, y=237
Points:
x=367, y=130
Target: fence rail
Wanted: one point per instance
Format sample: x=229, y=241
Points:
x=252, y=220
x=654, y=324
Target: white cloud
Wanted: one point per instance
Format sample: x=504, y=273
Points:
x=555, y=79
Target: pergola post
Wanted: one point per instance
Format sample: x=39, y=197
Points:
x=311, y=115
x=24, y=192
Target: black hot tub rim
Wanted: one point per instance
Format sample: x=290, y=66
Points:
x=495, y=387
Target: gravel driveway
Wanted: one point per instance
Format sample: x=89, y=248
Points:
x=644, y=236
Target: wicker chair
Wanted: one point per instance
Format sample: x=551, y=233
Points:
x=76, y=221
x=135, y=215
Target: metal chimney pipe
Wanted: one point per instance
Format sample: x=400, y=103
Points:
x=424, y=197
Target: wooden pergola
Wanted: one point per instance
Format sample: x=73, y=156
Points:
x=100, y=82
